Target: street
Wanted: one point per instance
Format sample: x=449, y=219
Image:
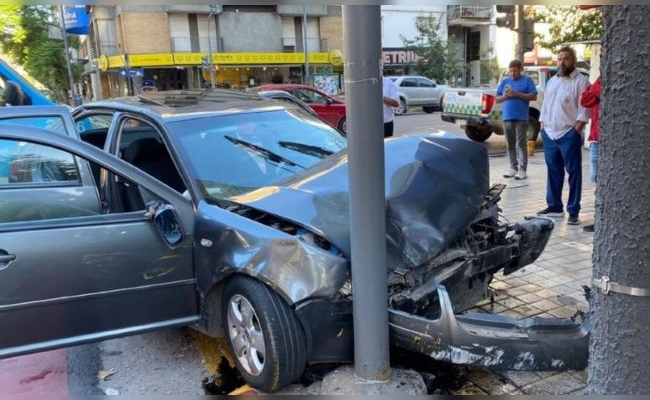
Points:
x=174, y=361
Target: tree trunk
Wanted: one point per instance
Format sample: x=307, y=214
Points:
x=619, y=346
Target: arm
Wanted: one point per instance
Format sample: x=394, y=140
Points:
x=391, y=97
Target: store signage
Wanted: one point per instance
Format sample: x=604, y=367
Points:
x=399, y=57
x=76, y=20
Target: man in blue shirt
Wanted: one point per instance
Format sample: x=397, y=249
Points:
x=516, y=92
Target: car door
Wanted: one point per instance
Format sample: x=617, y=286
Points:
x=409, y=86
x=71, y=269
x=429, y=92
x=320, y=103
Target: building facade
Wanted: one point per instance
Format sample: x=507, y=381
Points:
x=167, y=46
x=137, y=47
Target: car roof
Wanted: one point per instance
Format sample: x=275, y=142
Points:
x=181, y=103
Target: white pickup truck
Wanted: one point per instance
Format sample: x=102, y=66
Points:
x=480, y=115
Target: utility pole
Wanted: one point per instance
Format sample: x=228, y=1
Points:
x=304, y=43
x=521, y=33
x=67, y=56
x=210, y=63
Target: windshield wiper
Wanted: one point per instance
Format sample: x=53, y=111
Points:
x=306, y=148
x=263, y=151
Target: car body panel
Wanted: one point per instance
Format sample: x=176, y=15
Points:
x=326, y=106
x=97, y=265
x=419, y=91
x=420, y=172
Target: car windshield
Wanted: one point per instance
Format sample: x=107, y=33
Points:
x=228, y=155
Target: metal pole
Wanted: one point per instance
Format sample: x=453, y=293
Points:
x=520, y=33
x=210, y=48
x=364, y=110
x=67, y=56
x=304, y=42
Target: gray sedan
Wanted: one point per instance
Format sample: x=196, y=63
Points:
x=229, y=213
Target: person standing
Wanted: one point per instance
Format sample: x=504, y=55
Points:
x=562, y=120
x=390, y=100
x=590, y=98
x=516, y=92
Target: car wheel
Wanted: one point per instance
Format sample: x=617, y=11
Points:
x=263, y=334
x=533, y=129
x=428, y=110
x=342, y=125
x=476, y=134
x=401, y=109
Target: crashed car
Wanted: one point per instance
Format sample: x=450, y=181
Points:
x=230, y=213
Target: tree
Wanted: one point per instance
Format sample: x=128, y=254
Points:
x=24, y=37
x=570, y=24
x=490, y=69
x=619, y=349
x=438, y=60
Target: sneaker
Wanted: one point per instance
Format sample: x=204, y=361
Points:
x=588, y=228
x=511, y=172
x=548, y=212
x=521, y=174
x=574, y=219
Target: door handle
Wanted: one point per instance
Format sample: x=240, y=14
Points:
x=5, y=259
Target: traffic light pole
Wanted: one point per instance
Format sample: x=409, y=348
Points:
x=521, y=33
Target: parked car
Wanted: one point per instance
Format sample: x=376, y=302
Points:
x=229, y=213
x=327, y=107
x=418, y=91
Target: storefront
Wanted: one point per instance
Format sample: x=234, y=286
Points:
x=126, y=74
x=399, y=61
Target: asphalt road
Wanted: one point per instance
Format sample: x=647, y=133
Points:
x=174, y=361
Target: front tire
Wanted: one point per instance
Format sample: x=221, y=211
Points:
x=476, y=134
x=263, y=334
x=342, y=125
x=401, y=109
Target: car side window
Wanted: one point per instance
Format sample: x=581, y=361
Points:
x=534, y=75
x=425, y=83
x=33, y=164
x=409, y=82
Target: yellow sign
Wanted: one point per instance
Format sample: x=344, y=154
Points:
x=336, y=57
x=116, y=61
x=173, y=59
x=102, y=63
x=150, y=60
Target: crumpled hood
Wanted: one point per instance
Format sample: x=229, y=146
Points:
x=434, y=184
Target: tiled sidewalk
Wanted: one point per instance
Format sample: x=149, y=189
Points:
x=552, y=286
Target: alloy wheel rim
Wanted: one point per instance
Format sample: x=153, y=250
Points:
x=246, y=335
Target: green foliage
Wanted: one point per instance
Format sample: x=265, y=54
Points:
x=24, y=37
x=570, y=24
x=439, y=61
x=490, y=69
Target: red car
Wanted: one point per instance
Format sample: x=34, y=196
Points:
x=327, y=107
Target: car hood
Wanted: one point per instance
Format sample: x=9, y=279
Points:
x=434, y=185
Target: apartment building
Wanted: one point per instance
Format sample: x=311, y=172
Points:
x=166, y=46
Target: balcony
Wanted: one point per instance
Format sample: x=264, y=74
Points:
x=469, y=16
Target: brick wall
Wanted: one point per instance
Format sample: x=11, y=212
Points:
x=144, y=32
x=331, y=29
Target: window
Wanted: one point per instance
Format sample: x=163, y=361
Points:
x=425, y=83
x=51, y=123
x=409, y=82
x=27, y=163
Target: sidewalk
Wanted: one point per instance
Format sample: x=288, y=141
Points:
x=552, y=286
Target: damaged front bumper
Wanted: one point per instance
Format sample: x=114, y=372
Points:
x=493, y=341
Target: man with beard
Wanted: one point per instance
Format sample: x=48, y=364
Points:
x=562, y=120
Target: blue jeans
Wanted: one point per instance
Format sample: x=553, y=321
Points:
x=563, y=154
x=593, y=161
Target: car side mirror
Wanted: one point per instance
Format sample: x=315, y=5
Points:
x=167, y=225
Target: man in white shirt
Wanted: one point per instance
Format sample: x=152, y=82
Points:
x=562, y=121
x=390, y=100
